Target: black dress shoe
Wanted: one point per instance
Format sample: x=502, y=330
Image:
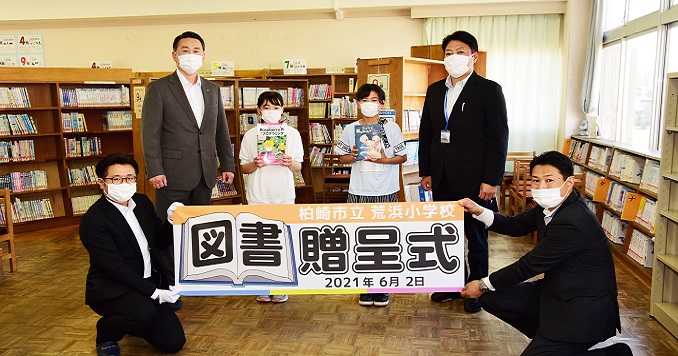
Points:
x=442, y=297
x=108, y=348
x=472, y=305
x=176, y=305
x=620, y=349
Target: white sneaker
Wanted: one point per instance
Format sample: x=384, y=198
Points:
x=264, y=299
x=279, y=298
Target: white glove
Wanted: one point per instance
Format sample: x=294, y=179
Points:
x=165, y=295
x=171, y=209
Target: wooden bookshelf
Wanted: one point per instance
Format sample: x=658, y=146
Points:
x=45, y=87
x=409, y=79
x=664, y=296
x=340, y=87
x=582, y=152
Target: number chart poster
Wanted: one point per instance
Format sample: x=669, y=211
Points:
x=403, y=247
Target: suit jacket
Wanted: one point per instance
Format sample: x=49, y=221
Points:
x=578, y=301
x=478, y=128
x=173, y=143
x=116, y=265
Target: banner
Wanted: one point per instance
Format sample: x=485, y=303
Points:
x=407, y=247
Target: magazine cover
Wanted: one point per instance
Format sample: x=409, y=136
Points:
x=368, y=141
x=271, y=143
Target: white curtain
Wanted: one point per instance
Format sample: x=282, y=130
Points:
x=524, y=57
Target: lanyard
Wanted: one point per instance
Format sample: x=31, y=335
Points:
x=447, y=115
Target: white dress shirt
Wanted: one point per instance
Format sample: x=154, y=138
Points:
x=128, y=214
x=453, y=94
x=194, y=95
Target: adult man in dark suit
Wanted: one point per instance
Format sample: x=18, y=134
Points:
x=575, y=305
x=125, y=283
x=463, y=139
x=183, y=130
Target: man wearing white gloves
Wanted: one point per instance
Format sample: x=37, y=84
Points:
x=125, y=283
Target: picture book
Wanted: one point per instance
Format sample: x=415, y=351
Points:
x=368, y=141
x=240, y=250
x=271, y=143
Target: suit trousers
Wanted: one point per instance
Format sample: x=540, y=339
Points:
x=138, y=315
x=474, y=229
x=200, y=195
x=518, y=306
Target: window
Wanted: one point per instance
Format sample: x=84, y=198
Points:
x=638, y=8
x=610, y=90
x=639, y=83
x=672, y=49
x=614, y=14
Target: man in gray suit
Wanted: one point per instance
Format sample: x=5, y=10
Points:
x=184, y=130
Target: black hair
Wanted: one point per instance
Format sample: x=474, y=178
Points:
x=187, y=34
x=115, y=158
x=366, y=89
x=272, y=97
x=461, y=36
x=556, y=159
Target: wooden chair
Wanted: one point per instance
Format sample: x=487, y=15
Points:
x=508, y=175
x=335, y=186
x=520, y=193
x=7, y=231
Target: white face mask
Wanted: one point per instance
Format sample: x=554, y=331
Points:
x=271, y=116
x=369, y=109
x=190, y=63
x=548, y=198
x=121, y=193
x=457, y=64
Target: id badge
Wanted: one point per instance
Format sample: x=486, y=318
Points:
x=444, y=136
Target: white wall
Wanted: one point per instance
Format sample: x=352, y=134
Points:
x=251, y=45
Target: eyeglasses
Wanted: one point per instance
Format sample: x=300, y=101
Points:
x=119, y=180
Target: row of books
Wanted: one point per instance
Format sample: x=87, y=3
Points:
x=82, y=176
x=579, y=151
x=616, y=196
x=292, y=97
x=641, y=248
x=320, y=92
x=117, y=120
x=17, y=151
x=316, y=155
x=592, y=205
x=626, y=167
x=614, y=227
x=228, y=96
x=73, y=122
x=82, y=204
x=88, y=97
x=412, y=153
x=416, y=193
x=30, y=210
x=14, y=97
x=17, y=124
x=343, y=107
x=338, y=131
x=319, y=134
x=651, y=176
x=647, y=213
x=82, y=146
x=411, y=120
x=24, y=181
x=600, y=157
x=591, y=182
x=223, y=189
x=319, y=110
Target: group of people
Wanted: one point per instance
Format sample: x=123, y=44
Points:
x=463, y=140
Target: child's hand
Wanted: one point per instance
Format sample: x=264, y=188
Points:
x=259, y=162
x=286, y=161
x=378, y=160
